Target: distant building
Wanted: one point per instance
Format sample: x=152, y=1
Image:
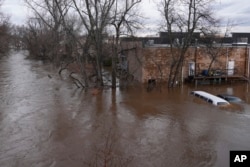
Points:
x=164, y=38
x=178, y=37
x=240, y=39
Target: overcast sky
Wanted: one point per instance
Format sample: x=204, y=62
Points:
x=237, y=11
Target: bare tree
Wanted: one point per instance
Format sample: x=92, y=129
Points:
x=88, y=31
x=124, y=19
x=214, y=43
x=4, y=37
x=185, y=17
x=4, y=32
x=47, y=13
x=17, y=36
x=95, y=17
x=33, y=37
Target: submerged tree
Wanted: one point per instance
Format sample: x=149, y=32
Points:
x=94, y=16
x=185, y=17
x=84, y=24
x=4, y=36
x=124, y=19
x=35, y=38
x=49, y=20
x=4, y=32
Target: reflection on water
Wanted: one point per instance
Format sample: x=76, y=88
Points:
x=48, y=122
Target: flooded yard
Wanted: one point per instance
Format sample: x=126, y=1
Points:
x=45, y=121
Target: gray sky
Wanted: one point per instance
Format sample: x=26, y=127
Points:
x=237, y=11
x=16, y=10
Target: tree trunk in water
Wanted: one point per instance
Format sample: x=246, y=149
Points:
x=175, y=70
x=99, y=66
x=114, y=58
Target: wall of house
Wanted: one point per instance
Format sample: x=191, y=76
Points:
x=133, y=52
x=154, y=62
x=237, y=54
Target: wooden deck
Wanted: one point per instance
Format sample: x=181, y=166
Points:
x=219, y=79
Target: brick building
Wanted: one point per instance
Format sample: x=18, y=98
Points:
x=146, y=62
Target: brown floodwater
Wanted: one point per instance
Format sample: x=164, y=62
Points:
x=45, y=121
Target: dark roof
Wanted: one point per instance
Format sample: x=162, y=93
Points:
x=236, y=39
x=240, y=33
x=178, y=34
x=241, y=37
x=163, y=39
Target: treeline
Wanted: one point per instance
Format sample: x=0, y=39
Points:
x=83, y=33
x=4, y=33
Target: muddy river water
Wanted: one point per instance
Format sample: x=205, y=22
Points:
x=45, y=121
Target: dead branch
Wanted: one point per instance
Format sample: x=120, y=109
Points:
x=76, y=81
x=65, y=67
